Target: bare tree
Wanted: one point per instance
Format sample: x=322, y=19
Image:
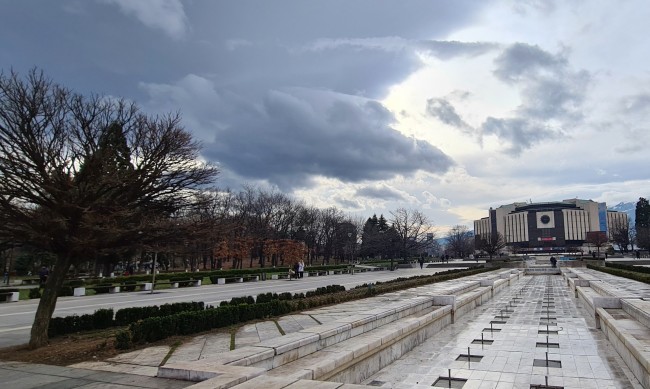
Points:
x=329, y=221
x=491, y=243
x=411, y=227
x=80, y=176
x=621, y=234
x=459, y=241
x=597, y=239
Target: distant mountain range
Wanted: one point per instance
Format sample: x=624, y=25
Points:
x=628, y=208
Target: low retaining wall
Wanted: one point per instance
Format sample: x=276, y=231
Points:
x=624, y=319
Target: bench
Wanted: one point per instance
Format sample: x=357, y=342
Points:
x=177, y=283
x=142, y=286
x=30, y=281
x=81, y=290
x=9, y=297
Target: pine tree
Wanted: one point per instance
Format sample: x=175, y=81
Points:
x=642, y=224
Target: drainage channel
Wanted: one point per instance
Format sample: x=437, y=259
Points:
x=531, y=335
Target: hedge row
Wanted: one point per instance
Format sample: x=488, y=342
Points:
x=103, y=318
x=268, y=297
x=636, y=269
x=127, y=316
x=186, y=323
x=633, y=275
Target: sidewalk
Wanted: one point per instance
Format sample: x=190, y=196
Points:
x=18, y=375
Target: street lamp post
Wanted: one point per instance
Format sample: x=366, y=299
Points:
x=153, y=279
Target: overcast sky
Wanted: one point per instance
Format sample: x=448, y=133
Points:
x=450, y=107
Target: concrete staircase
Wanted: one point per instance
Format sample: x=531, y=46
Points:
x=621, y=310
x=353, y=341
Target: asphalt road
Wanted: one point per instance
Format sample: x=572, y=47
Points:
x=16, y=318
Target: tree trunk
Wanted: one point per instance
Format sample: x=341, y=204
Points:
x=47, y=303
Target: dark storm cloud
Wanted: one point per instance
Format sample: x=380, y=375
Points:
x=298, y=134
x=550, y=91
x=241, y=73
x=382, y=192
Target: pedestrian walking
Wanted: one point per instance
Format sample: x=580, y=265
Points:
x=42, y=275
x=421, y=262
x=301, y=268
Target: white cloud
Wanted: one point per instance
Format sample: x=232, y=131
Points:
x=166, y=15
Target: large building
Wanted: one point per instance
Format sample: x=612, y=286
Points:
x=562, y=226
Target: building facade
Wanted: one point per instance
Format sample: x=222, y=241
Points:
x=561, y=226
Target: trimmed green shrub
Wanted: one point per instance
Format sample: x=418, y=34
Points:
x=123, y=340
x=34, y=293
x=239, y=300
x=636, y=269
x=326, y=290
x=102, y=318
x=127, y=316
x=266, y=297
x=633, y=275
x=285, y=296
x=102, y=287
x=128, y=285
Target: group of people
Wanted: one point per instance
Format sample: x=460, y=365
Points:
x=298, y=270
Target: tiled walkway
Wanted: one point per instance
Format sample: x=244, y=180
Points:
x=509, y=341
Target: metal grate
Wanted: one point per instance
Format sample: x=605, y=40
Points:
x=447, y=382
x=546, y=363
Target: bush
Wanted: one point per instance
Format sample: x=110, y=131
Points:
x=182, y=281
x=102, y=287
x=185, y=323
x=266, y=297
x=65, y=291
x=285, y=296
x=127, y=316
x=123, y=340
x=633, y=275
x=102, y=318
x=239, y=300
x=35, y=293
x=326, y=290
x=129, y=285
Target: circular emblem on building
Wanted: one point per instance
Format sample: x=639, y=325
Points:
x=545, y=219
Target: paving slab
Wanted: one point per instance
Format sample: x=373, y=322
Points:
x=267, y=330
x=18, y=375
x=149, y=371
x=189, y=351
x=246, y=335
x=151, y=356
x=215, y=344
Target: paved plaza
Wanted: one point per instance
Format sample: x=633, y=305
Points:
x=532, y=334
x=513, y=335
